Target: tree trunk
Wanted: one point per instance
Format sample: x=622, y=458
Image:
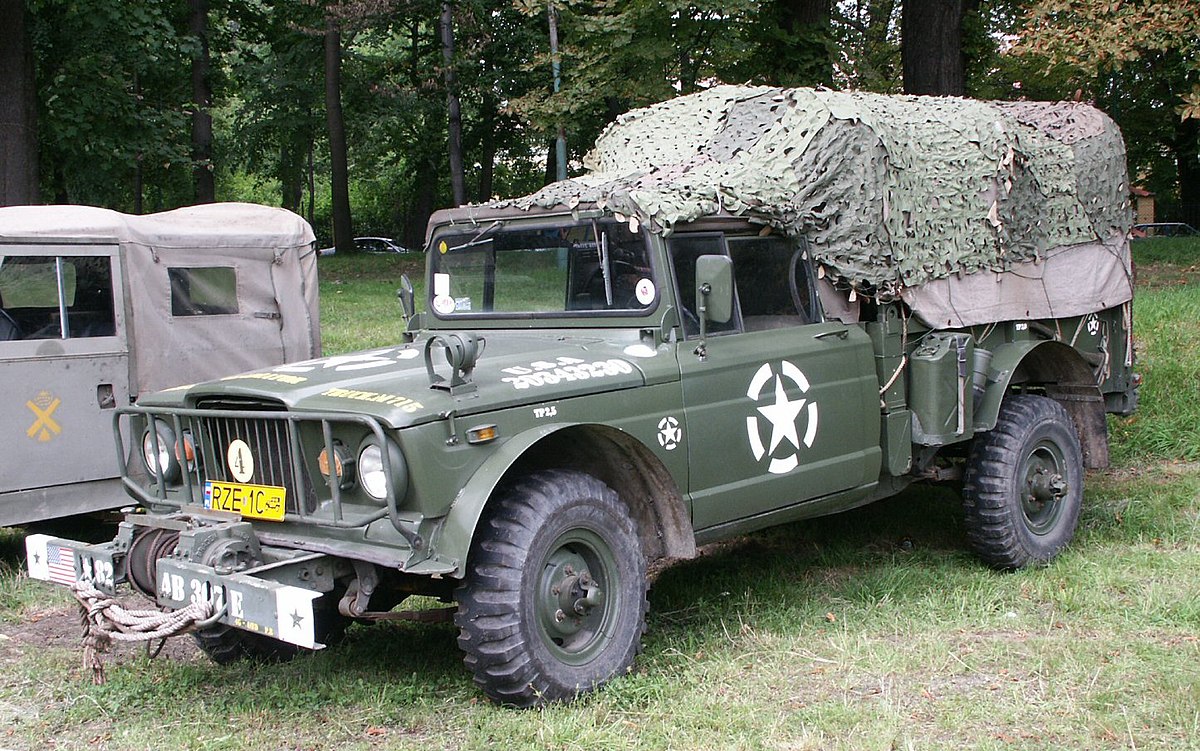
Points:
x=422, y=204
x=343, y=232
x=18, y=110
x=931, y=47
x=291, y=172
x=312, y=180
x=487, y=149
x=551, y=163
x=202, y=129
x=455, y=126
x=1187, y=160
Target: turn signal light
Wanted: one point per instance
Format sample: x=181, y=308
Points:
x=482, y=434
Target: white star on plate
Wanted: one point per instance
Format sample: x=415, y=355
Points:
x=782, y=416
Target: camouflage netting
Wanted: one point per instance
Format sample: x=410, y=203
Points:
x=898, y=196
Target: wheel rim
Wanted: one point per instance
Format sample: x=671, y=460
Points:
x=577, y=602
x=1044, y=487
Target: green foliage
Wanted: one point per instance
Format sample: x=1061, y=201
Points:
x=619, y=55
x=112, y=85
x=1114, y=35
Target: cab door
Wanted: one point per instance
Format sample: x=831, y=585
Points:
x=781, y=406
x=64, y=364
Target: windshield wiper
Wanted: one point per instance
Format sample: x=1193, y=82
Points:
x=478, y=238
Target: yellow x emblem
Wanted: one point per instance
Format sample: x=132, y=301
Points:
x=45, y=427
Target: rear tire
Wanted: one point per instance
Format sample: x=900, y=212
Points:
x=1023, y=486
x=554, y=601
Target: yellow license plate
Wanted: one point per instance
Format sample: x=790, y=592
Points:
x=253, y=501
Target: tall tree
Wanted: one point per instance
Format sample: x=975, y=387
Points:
x=453, y=108
x=619, y=55
x=113, y=93
x=202, y=128
x=18, y=109
x=932, y=46
x=1107, y=36
x=343, y=224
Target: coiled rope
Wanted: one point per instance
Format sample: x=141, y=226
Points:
x=105, y=620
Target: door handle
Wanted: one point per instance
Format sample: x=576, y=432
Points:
x=839, y=333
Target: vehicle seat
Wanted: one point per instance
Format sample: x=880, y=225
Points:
x=92, y=313
x=9, y=330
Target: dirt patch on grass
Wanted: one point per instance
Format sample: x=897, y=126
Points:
x=1164, y=275
x=60, y=629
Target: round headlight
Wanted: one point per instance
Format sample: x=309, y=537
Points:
x=374, y=477
x=371, y=472
x=157, y=452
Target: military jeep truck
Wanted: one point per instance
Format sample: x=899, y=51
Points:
x=98, y=308
x=759, y=305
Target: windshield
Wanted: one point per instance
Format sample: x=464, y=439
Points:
x=594, y=267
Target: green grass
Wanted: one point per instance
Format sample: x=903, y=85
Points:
x=1166, y=316
x=359, y=307
x=1176, y=251
x=875, y=629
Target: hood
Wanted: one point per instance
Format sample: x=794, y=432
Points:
x=393, y=385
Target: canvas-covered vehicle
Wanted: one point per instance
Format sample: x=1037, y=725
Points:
x=98, y=308
x=759, y=305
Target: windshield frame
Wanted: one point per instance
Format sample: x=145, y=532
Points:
x=489, y=229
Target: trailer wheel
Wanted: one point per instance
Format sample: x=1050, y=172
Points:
x=554, y=601
x=1024, y=484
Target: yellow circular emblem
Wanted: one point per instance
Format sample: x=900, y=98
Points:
x=443, y=247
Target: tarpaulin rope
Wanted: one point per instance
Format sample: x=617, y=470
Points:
x=106, y=621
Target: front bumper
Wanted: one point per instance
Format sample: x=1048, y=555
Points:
x=243, y=600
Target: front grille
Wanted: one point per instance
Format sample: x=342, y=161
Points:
x=284, y=445
x=271, y=451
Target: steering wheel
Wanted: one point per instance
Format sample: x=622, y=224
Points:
x=9, y=328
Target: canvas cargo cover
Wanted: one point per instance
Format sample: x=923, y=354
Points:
x=271, y=250
x=970, y=211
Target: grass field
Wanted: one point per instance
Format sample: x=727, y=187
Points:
x=876, y=629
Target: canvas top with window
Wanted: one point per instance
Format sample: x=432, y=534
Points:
x=97, y=309
x=194, y=293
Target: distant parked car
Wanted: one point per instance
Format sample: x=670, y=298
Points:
x=377, y=245
x=1163, y=229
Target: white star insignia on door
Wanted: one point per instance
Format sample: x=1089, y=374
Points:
x=782, y=414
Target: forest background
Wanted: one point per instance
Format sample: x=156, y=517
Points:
x=367, y=115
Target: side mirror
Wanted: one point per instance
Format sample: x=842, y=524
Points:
x=714, y=288
x=408, y=300
x=408, y=305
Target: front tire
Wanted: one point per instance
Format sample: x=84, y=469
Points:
x=554, y=601
x=1023, y=486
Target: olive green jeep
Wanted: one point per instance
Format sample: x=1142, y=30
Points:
x=595, y=387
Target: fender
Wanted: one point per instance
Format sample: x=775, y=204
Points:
x=453, y=539
x=1048, y=361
